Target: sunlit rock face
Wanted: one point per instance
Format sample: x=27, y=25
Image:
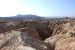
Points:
x=66, y=44
x=65, y=28
x=67, y=31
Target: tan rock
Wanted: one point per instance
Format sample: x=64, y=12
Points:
x=16, y=40
x=66, y=44
x=53, y=39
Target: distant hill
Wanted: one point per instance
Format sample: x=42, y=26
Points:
x=23, y=17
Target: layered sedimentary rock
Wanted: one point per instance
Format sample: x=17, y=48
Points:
x=67, y=31
x=37, y=35
x=66, y=44
x=16, y=40
x=40, y=26
x=10, y=25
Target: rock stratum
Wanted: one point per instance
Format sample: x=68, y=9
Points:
x=37, y=35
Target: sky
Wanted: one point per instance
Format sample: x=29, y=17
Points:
x=37, y=7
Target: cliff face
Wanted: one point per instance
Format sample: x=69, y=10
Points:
x=37, y=35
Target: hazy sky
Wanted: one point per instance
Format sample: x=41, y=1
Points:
x=37, y=7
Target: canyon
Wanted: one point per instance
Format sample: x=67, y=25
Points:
x=37, y=35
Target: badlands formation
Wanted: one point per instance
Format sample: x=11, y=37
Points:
x=37, y=35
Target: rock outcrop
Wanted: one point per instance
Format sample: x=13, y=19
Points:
x=20, y=40
x=31, y=32
x=66, y=44
x=10, y=25
x=37, y=35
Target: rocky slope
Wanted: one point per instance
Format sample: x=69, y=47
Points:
x=67, y=31
x=37, y=35
x=22, y=40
